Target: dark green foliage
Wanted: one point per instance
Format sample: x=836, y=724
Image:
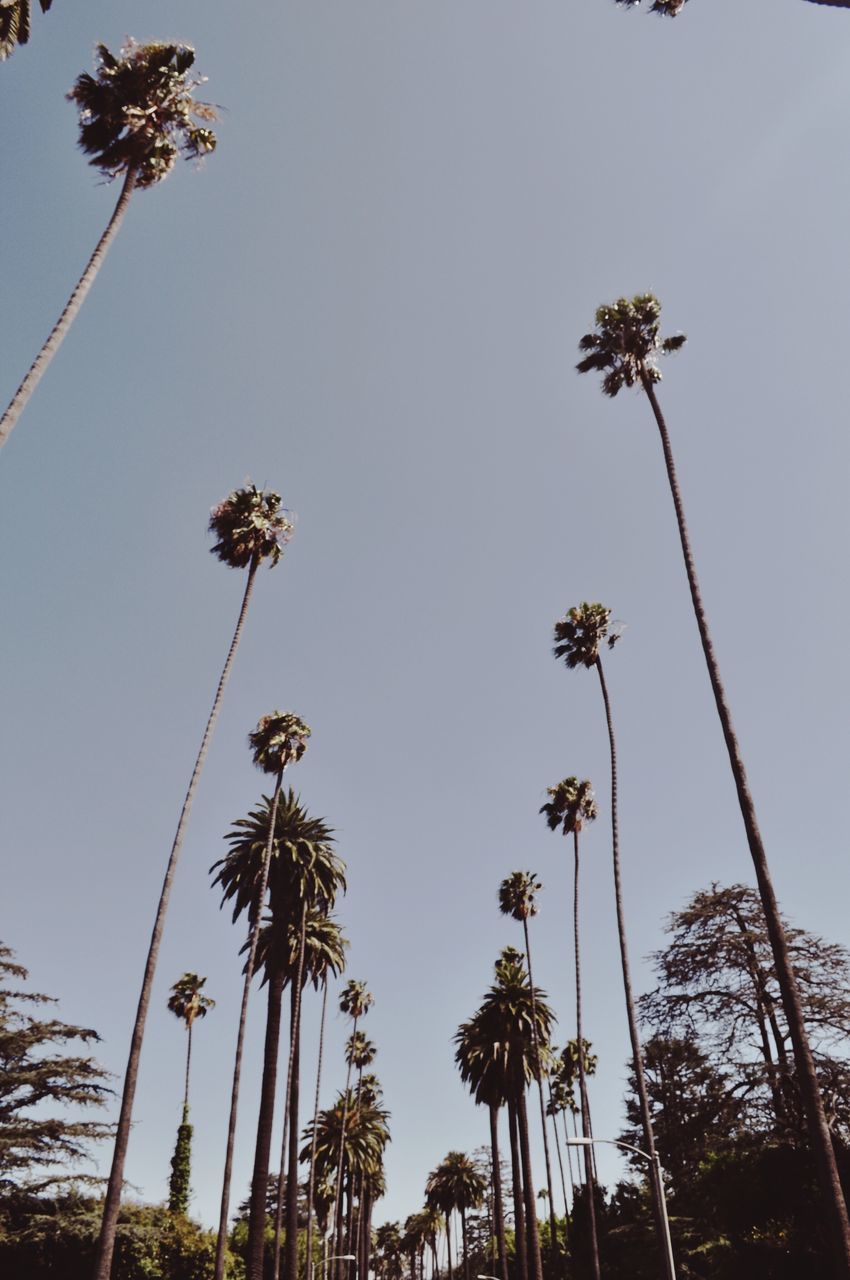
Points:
x=579, y=634
x=626, y=343
x=278, y=740
x=670, y=8
x=15, y=18
x=38, y=1147
x=137, y=112
x=181, y=1169
x=571, y=804
x=55, y=1239
x=250, y=525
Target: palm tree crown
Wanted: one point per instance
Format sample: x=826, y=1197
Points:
x=355, y=999
x=626, y=343
x=137, y=112
x=250, y=525
x=455, y=1184
x=580, y=633
x=360, y=1052
x=279, y=945
x=278, y=740
x=570, y=806
x=517, y=895
x=187, y=1000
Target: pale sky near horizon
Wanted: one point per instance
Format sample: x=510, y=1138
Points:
x=369, y=299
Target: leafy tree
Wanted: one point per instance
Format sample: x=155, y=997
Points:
x=186, y=1002
x=570, y=806
x=250, y=526
x=40, y=1144
x=579, y=637
x=15, y=19
x=137, y=114
x=624, y=348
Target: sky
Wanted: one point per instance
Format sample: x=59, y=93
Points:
x=369, y=299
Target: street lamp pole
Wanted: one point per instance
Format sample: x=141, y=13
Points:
x=658, y=1173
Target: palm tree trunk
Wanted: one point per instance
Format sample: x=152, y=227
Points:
x=520, y=1250
x=553, y=1222
x=291, y=1258
x=335, y=1216
x=498, y=1207
x=449, y=1246
x=312, y=1176
x=112, y=1200
x=287, y=1102
x=221, y=1242
x=634, y=1034
x=589, y=1179
x=262, y=1150
x=465, y=1244
x=573, y=1181
x=554, y=1120
x=827, y=1169
x=188, y=1064
x=63, y=324
x=535, y=1264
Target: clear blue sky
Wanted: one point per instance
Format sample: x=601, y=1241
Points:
x=370, y=299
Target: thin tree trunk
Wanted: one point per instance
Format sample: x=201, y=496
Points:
x=553, y=1222
x=188, y=1064
x=573, y=1180
x=63, y=324
x=634, y=1034
x=112, y=1201
x=554, y=1120
x=535, y=1264
x=335, y=1218
x=262, y=1150
x=520, y=1250
x=589, y=1180
x=825, y=1162
x=221, y=1242
x=312, y=1176
x=465, y=1245
x=294, y=1046
x=498, y=1206
x=291, y=1257
x=449, y=1247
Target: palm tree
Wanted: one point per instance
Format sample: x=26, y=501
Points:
x=487, y=1087
x=355, y=1000
x=250, y=526
x=456, y=1184
x=311, y=1183
x=318, y=952
x=244, y=874
x=186, y=1002
x=517, y=899
x=137, y=114
x=15, y=18
x=671, y=8
x=625, y=347
x=578, y=639
x=570, y=806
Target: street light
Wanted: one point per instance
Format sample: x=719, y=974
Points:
x=337, y=1257
x=655, y=1163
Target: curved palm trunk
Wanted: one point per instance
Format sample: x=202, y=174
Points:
x=825, y=1163
x=112, y=1200
x=554, y=1120
x=262, y=1149
x=516, y=1186
x=63, y=324
x=634, y=1034
x=188, y=1065
x=498, y=1207
x=292, y=1066
x=221, y=1242
x=291, y=1258
x=589, y=1180
x=311, y=1185
x=535, y=1264
x=450, y=1272
x=553, y=1222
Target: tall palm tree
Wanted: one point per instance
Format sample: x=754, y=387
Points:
x=487, y=1087
x=355, y=1000
x=456, y=1184
x=320, y=953
x=186, y=1002
x=579, y=637
x=672, y=8
x=250, y=526
x=137, y=114
x=571, y=804
x=311, y=1182
x=518, y=899
x=278, y=740
x=15, y=20
x=625, y=347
